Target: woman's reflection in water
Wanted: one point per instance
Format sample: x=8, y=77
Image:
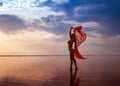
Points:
x=74, y=81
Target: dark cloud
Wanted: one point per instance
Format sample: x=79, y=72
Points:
x=56, y=26
x=104, y=12
x=1, y=3
x=10, y=23
x=59, y=27
x=53, y=19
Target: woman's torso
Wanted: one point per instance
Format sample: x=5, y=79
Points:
x=70, y=45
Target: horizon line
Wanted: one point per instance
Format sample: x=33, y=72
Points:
x=49, y=55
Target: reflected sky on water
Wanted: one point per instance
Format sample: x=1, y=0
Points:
x=54, y=71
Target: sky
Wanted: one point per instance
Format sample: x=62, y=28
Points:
x=41, y=27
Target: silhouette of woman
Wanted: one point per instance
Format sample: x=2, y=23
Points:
x=70, y=47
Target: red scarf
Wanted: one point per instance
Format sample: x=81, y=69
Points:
x=80, y=37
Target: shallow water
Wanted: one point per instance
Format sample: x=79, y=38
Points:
x=54, y=71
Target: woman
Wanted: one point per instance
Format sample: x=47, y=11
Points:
x=70, y=47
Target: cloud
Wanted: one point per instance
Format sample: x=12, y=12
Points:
x=1, y=4
x=60, y=1
x=99, y=18
x=17, y=3
x=88, y=7
x=50, y=13
x=61, y=24
x=88, y=24
x=28, y=9
x=53, y=20
x=31, y=42
x=9, y=23
x=106, y=13
x=97, y=44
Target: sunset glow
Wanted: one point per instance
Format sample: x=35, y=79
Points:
x=41, y=26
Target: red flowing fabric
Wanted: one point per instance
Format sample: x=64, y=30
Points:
x=80, y=37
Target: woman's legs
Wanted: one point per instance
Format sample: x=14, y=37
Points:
x=71, y=63
x=75, y=63
x=72, y=59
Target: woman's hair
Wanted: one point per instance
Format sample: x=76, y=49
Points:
x=72, y=34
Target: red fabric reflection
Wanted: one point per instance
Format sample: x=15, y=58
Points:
x=80, y=37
